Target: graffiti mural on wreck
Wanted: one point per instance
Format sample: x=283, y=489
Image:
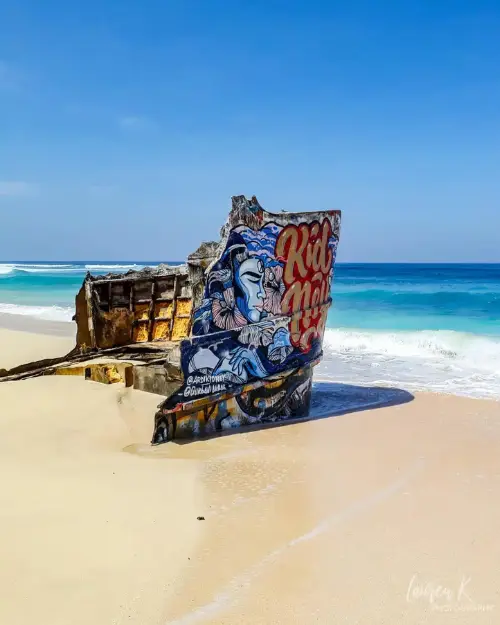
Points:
x=258, y=331
x=288, y=396
x=266, y=298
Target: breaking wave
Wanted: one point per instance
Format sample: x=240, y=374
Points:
x=113, y=267
x=46, y=268
x=46, y=313
x=443, y=361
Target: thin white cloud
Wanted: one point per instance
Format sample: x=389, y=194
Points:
x=17, y=188
x=135, y=122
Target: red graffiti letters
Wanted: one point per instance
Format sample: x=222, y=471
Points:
x=308, y=261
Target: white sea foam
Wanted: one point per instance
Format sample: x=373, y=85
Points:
x=47, y=313
x=47, y=270
x=30, y=265
x=7, y=268
x=441, y=361
x=111, y=267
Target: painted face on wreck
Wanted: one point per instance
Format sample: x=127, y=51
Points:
x=249, y=277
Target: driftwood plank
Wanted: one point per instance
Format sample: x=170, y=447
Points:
x=142, y=352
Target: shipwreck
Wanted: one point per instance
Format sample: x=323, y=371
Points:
x=229, y=338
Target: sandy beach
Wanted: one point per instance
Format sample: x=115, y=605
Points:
x=389, y=515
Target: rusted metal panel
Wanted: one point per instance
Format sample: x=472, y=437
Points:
x=138, y=307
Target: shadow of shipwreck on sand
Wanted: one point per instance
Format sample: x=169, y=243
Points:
x=328, y=400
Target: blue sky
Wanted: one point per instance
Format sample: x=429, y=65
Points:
x=126, y=126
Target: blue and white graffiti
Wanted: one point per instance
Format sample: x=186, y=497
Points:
x=240, y=331
x=259, y=328
x=245, y=285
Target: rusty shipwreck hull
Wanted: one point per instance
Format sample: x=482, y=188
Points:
x=229, y=338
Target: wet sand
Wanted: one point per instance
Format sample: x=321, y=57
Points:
x=389, y=515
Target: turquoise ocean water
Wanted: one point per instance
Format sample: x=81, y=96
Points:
x=433, y=327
